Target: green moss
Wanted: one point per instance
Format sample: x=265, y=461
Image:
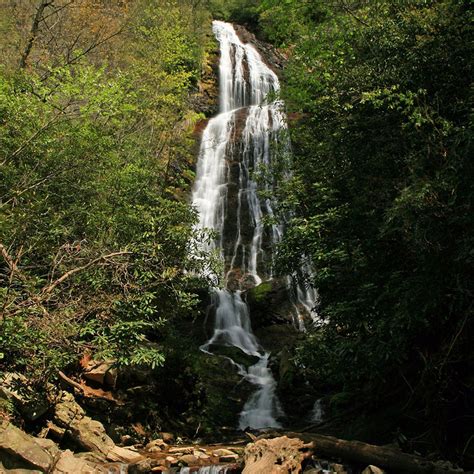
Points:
x=260, y=292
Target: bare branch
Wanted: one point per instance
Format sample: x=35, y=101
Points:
x=34, y=31
x=48, y=289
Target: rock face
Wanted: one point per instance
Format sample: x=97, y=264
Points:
x=274, y=456
x=270, y=303
x=274, y=59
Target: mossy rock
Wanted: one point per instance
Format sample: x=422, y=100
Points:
x=270, y=304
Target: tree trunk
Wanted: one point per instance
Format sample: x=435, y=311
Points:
x=356, y=451
x=33, y=32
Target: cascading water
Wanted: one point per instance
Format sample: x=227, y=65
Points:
x=235, y=143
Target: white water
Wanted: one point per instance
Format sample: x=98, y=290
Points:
x=236, y=143
x=205, y=470
x=317, y=412
x=245, y=82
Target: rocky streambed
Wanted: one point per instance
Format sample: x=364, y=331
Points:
x=72, y=442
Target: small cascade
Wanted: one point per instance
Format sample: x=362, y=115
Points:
x=317, y=412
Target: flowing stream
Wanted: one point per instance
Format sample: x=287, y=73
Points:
x=235, y=143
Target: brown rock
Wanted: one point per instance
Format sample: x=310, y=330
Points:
x=189, y=459
x=156, y=446
x=102, y=372
x=167, y=437
x=184, y=450
x=88, y=433
x=373, y=470
x=171, y=461
x=274, y=456
x=125, y=455
x=229, y=458
x=68, y=463
x=19, y=450
x=222, y=452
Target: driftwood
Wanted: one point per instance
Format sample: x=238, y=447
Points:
x=363, y=453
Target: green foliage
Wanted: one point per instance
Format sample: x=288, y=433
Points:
x=381, y=195
x=94, y=165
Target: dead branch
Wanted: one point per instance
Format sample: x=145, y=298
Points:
x=71, y=382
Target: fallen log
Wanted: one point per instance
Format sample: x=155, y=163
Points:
x=363, y=453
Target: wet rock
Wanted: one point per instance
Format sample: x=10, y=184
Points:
x=270, y=303
x=146, y=465
x=234, y=353
x=373, y=470
x=19, y=450
x=229, y=458
x=274, y=58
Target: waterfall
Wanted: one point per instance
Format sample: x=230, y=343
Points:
x=235, y=143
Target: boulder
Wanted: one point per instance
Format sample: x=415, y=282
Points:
x=270, y=303
x=68, y=463
x=19, y=450
x=49, y=445
x=87, y=433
